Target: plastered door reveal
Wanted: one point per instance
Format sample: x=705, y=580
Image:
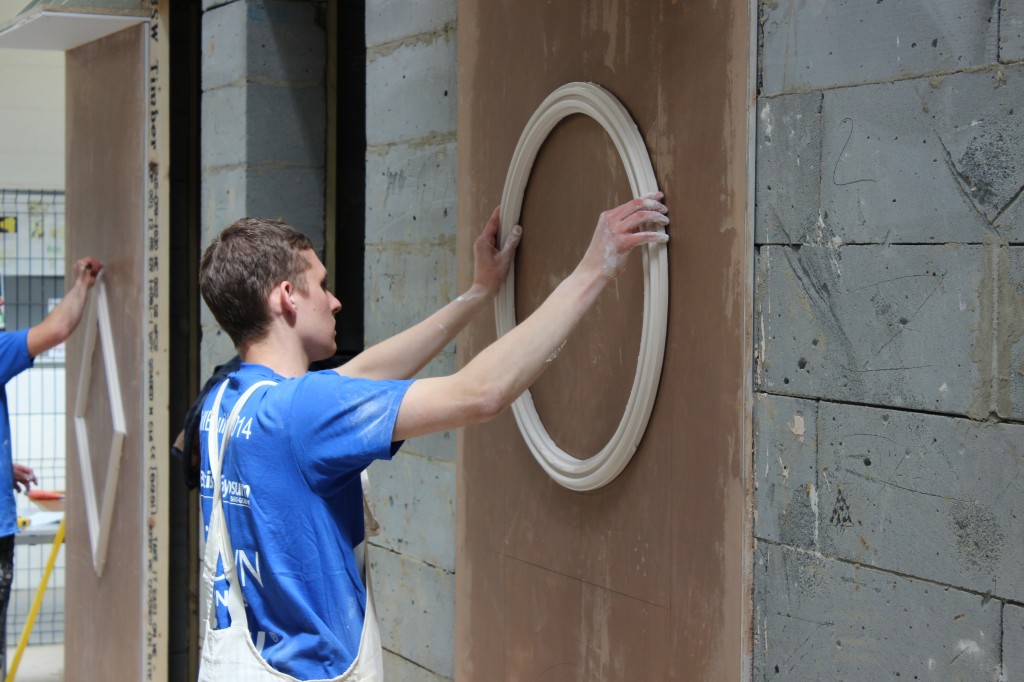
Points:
x=99, y=511
x=601, y=468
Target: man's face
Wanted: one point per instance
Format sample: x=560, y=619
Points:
x=316, y=310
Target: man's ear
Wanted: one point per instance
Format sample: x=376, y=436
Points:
x=282, y=299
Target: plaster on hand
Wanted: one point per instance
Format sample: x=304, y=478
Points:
x=618, y=229
x=651, y=202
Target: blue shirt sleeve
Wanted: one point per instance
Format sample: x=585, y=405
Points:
x=340, y=425
x=14, y=357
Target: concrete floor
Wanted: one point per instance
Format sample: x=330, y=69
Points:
x=43, y=663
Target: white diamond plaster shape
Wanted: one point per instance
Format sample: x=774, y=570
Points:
x=99, y=512
x=601, y=468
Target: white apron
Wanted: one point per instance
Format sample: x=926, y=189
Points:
x=228, y=653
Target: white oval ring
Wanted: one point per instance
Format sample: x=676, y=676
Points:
x=597, y=103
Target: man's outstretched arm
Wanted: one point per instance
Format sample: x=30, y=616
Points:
x=62, y=320
x=501, y=372
x=403, y=355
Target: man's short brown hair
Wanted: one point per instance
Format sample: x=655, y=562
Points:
x=243, y=264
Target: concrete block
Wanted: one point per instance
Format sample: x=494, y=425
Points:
x=266, y=41
x=412, y=94
x=443, y=445
x=415, y=504
x=292, y=194
x=400, y=670
x=217, y=347
x=222, y=196
x=377, y=328
x=224, y=124
x=284, y=125
x=287, y=42
x=402, y=281
x=820, y=45
x=982, y=130
x=214, y=4
x=1011, y=30
x=1010, y=346
x=1011, y=224
x=817, y=619
x=410, y=193
x=936, y=497
x=923, y=161
x=1013, y=642
x=416, y=610
x=788, y=172
x=224, y=46
x=391, y=20
x=785, y=461
x=881, y=325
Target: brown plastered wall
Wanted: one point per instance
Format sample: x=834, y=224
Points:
x=105, y=123
x=643, y=579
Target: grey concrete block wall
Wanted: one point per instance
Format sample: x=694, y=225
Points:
x=923, y=495
x=912, y=493
x=396, y=21
x=820, y=619
x=415, y=507
x=885, y=324
x=1011, y=30
x=410, y=271
x=810, y=46
x=851, y=165
x=786, y=482
x=400, y=669
x=263, y=124
x=1013, y=642
x=414, y=603
x=889, y=361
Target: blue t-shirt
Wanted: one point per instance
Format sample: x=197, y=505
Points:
x=14, y=359
x=292, y=498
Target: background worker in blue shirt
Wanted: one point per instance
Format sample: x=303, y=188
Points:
x=18, y=350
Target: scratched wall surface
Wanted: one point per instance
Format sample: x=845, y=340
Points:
x=889, y=361
x=410, y=272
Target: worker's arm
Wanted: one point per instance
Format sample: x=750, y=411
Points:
x=406, y=353
x=62, y=320
x=500, y=373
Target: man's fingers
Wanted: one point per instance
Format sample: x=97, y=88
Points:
x=513, y=240
x=631, y=222
x=493, y=223
x=640, y=238
x=647, y=202
x=88, y=267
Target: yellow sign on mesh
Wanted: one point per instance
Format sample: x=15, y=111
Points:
x=8, y=224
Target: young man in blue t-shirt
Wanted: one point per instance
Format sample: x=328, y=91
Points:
x=289, y=485
x=18, y=350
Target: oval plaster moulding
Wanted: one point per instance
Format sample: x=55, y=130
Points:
x=602, y=467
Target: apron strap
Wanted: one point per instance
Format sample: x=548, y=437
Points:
x=218, y=541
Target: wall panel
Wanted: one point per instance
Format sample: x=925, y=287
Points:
x=105, y=210
x=642, y=579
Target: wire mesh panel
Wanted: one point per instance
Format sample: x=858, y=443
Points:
x=32, y=282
